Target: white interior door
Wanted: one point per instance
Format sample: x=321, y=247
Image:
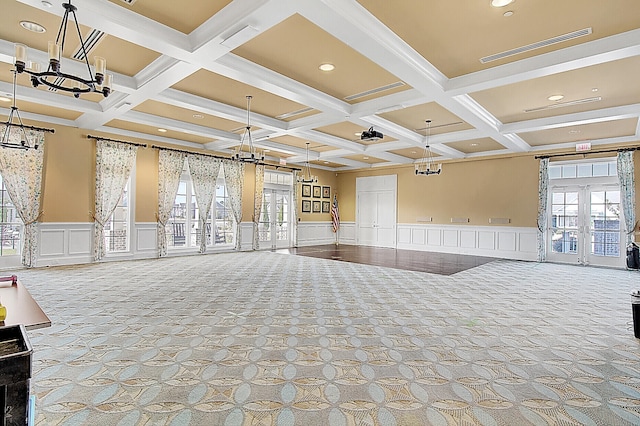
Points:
x=376, y=211
x=585, y=226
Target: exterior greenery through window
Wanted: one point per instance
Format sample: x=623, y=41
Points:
x=183, y=224
x=117, y=228
x=10, y=225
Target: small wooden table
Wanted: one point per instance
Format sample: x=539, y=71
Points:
x=21, y=307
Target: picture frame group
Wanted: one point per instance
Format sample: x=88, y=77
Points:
x=316, y=191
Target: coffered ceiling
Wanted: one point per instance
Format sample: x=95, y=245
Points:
x=483, y=75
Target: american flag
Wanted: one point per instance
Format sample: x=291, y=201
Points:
x=335, y=215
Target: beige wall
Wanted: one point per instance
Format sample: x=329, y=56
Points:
x=479, y=189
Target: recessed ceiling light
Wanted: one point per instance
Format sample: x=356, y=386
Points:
x=326, y=162
x=474, y=144
x=413, y=152
x=358, y=134
x=595, y=89
x=32, y=26
x=556, y=97
x=46, y=3
x=4, y=99
x=365, y=157
x=162, y=130
x=508, y=13
x=500, y=3
x=327, y=67
x=198, y=116
x=573, y=132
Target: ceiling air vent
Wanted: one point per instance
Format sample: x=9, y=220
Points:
x=128, y=1
x=422, y=129
x=538, y=45
x=293, y=113
x=565, y=104
x=91, y=41
x=374, y=91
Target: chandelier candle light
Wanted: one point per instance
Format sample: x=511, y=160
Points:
x=54, y=77
x=426, y=165
x=22, y=141
x=251, y=156
x=306, y=172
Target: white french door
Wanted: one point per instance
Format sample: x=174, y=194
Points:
x=586, y=225
x=274, y=227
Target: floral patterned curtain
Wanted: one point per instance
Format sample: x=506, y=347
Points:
x=234, y=178
x=204, y=171
x=21, y=172
x=627, y=191
x=170, y=165
x=294, y=210
x=543, y=190
x=114, y=161
x=257, y=204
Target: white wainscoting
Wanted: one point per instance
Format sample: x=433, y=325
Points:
x=491, y=241
x=319, y=233
x=246, y=239
x=65, y=243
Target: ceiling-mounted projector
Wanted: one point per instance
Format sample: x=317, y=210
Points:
x=371, y=135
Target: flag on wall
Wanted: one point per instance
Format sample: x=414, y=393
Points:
x=335, y=215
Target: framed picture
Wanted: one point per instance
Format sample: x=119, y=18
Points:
x=306, y=190
x=316, y=191
x=306, y=206
x=326, y=192
x=316, y=206
x=326, y=206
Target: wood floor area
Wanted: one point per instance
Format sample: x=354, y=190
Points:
x=421, y=261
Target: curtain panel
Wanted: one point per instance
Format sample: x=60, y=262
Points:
x=257, y=204
x=204, y=171
x=234, y=178
x=627, y=191
x=543, y=191
x=21, y=172
x=114, y=161
x=170, y=165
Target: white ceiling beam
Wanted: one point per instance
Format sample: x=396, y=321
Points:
x=607, y=49
x=574, y=119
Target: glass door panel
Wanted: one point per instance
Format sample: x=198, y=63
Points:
x=605, y=227
x=564, y=222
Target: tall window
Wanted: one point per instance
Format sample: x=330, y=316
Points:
x=117, y=229
x=183, y=224
x=10, y=225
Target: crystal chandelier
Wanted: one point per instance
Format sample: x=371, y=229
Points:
x=306, y=171
x=426, y=165
x=54, y=77
x=250, y=156
x=15, y=133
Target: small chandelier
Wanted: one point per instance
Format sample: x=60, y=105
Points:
x=306, y=171
x=15, y=134
x=54, y=77
x=250, y=156
x=426, y=165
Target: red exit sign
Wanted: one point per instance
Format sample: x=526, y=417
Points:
x=585, y=146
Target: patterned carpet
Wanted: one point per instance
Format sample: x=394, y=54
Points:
x=274, y=339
